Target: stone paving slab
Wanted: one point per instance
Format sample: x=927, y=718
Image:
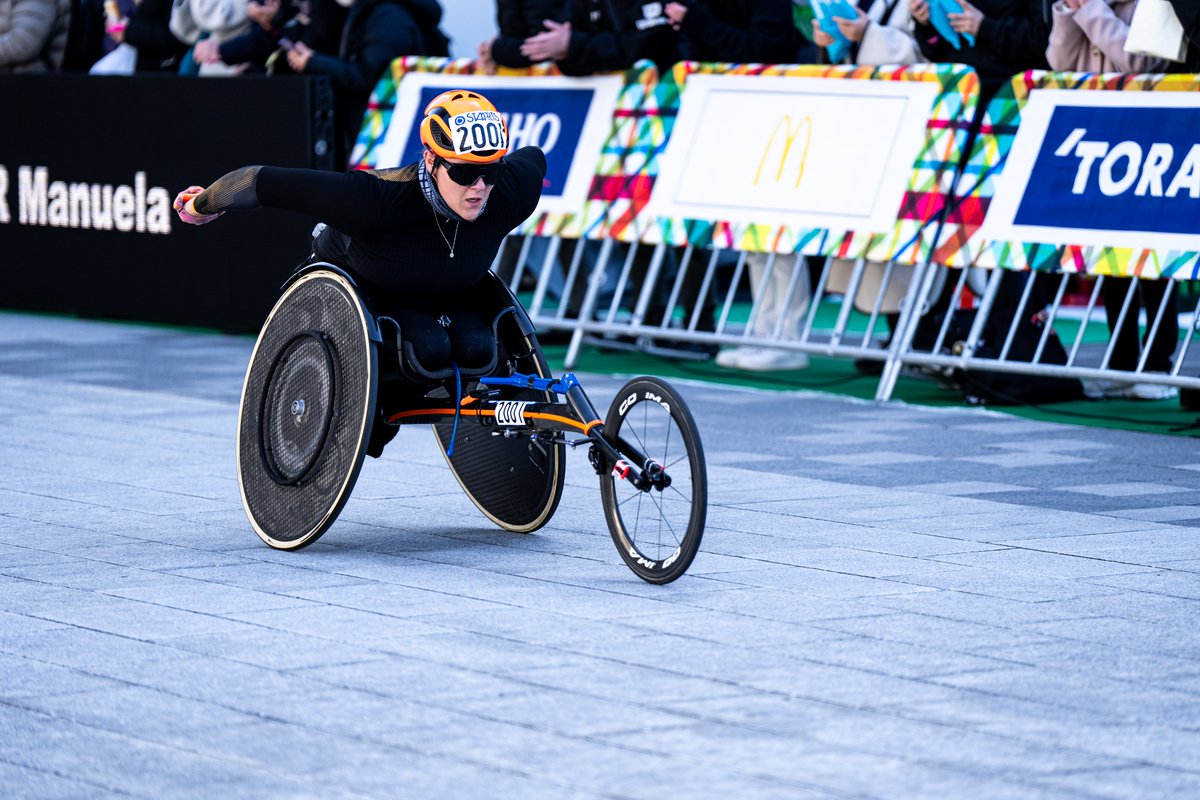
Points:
x=890, y=602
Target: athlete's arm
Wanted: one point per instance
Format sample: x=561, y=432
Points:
x=523, y=180
x=347, y=201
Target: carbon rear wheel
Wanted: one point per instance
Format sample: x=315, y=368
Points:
x=306, y=412
x=517, y=483
x=657, y=532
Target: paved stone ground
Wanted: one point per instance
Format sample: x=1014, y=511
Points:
x=890, y=602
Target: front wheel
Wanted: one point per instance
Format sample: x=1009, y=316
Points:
x=657, y=532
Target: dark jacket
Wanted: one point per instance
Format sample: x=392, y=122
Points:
x=322, y=33
x=376, y=32
x=517, y=20
x=157, y=47
x=610, y=35
x=1188, y=12
x=1012, y=38
x=745, y=31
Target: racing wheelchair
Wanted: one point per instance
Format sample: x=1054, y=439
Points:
x=329, y=380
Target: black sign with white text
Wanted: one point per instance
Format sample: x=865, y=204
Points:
x=88, y=169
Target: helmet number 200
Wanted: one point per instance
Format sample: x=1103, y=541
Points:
x=483, y=136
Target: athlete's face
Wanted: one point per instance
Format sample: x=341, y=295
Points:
x=466, y=201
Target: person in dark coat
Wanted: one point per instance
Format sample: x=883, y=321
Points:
x=741, y=31
x=147, y=30
x=1188, y=12
x=376, y=32
x=316, y=23
x=516, y=21
x=1010, y=37
x=605, y=36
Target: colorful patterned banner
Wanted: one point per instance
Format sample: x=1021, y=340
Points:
x=1106, y=197
x=609, y=187
x=930, y=180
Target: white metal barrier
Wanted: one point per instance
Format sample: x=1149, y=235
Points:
x=665, y=301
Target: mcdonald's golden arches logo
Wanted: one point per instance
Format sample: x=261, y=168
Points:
x=790, y=135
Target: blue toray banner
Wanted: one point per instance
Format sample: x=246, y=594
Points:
x=551, y=119
x=1120, y=169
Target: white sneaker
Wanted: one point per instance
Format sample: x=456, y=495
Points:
x=764, y=359
x=730, y=359
x=1102, y=389
x=1151, y=391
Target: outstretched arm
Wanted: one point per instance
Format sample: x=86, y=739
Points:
x=349, y=201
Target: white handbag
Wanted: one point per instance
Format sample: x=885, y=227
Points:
x=1156, y=31
x=121, y=61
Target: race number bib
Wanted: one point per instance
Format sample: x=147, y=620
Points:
x=478, y=130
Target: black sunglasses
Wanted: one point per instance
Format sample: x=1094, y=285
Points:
x=467, y=174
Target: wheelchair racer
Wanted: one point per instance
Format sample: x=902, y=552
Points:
x=415, y=238
x=401, y=232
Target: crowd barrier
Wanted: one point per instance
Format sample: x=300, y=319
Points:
x=788, y=207
x=708, y=182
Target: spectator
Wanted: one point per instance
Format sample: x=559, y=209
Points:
x=1089, y=36
x=762, y=33
x=1188, y=12
x=735, y=30
x=516, y=21
x=590, y=36
x=254, y=45
x=33, y=35
x=605, y=36
x=278, y=27
x=881, y=34
x=1010, y=37
x=146, y=28
x=205, y=24
x=375, y=33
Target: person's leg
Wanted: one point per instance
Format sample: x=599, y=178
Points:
x=775, y=301
x=471, y=340
x=1125, y=349
x=1162, y=349
x=424, y=339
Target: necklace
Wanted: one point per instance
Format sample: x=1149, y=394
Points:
x=449, y=243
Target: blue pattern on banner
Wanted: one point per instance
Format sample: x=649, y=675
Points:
x=552, y=119
x=1118, y=169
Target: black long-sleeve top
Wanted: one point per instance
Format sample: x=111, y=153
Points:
x=390, y=237
x=516, y=21
x=746, y=31
x=610, y=35
x=148, y=32
x=1188, y=12
x=1012, y=38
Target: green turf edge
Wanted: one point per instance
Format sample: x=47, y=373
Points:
x=839, y=376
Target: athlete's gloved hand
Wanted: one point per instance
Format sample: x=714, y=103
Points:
x=184, y=207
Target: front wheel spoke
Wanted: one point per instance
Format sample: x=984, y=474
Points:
x=669, y=467
x=637, y=438
x=687, y=498
x=662, y=519
x=631, y=496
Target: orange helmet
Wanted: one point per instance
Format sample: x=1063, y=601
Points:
x=464, y=125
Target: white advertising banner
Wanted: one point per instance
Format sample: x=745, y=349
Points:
x=569, y=118
x=792, y=151
x=1105, y=169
